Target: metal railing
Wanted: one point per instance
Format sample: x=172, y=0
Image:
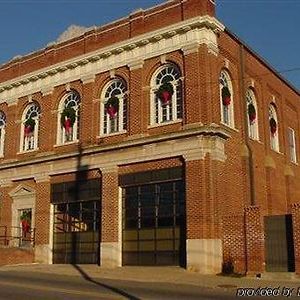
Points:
x=14, y=236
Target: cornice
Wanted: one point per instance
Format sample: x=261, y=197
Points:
x=199, y=30
x=192, y=144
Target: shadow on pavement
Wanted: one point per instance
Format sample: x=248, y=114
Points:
x=111, y=288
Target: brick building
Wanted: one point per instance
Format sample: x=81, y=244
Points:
x=158, y=139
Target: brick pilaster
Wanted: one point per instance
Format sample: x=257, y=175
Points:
x=42, y=212
x=254, y=240
x=110, y=206
x=136, y=97
x=295, y=209
x=87, y=116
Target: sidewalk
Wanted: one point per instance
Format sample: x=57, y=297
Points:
x=174, y=275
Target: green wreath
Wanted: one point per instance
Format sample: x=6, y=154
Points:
x=70, y=113
x=113, y=101
x=30, y=122
x=165, y=87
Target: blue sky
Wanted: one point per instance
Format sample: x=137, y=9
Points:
x=270, y=27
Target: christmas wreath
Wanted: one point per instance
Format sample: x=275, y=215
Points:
x=25, y=222
x=226, y=96
x=68, y=118
x=251, y=113
x=273, y=126
x=112, y=106
x=29, y=125
x=165, y=93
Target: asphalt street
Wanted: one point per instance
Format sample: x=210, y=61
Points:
x=16, y=285
x=20, y=284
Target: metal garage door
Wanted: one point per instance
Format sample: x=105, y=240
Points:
x=76, y=222
x=154, y=223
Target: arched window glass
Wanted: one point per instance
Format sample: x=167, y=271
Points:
x=30, y=127
x=166, y=95
x=114, y=107
x=2, y=132
x=273, y=127
x=252, y=116
x=68, y=118
x=226, y=99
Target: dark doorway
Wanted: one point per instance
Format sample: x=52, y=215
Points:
x=154, y=224
x=279, y=244
x=76, y=222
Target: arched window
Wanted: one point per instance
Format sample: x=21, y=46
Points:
x=68, y=118
x=30, y=127
x=226, y=99
x=2, y=132
x=166, y=95
x=113, y=108
x=273, y=127
x=252, y=114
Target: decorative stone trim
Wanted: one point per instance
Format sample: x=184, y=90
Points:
x=135, y=65
x=189, y=49
x=88, y=79
x=42, y=178
x=48, y=90
x=201, y=30
x=109, y=169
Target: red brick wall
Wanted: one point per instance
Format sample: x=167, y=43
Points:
x=12, y=256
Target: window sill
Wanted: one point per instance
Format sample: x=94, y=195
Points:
x=66, y=144
x=110, y=134
x=229, y=127
x=255, y=140
x=28, y=151
x=278, y=152
x=164, y=123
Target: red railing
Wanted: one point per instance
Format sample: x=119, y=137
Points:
x=13, y=236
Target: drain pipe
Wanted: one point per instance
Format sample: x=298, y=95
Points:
x=244, y=105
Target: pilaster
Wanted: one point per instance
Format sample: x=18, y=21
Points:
x=110, y=249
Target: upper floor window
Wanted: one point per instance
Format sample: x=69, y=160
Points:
x=292, y=145
x=68, y=118
x=2, y=131
x=114, y=107
x=252, y=114
x=273, y=125
x=30, y=127
x=166, y=95
x=226, y=99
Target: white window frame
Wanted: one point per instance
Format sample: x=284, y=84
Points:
x=30, y=143
x=274, y=139
x=172, y=112
x=292, y=145
x=62, y=138
x=2, y=132
x=227, y=112
x=108, y=126
x=252, y=127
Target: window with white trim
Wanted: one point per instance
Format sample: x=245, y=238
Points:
x=273, y=127
x=68, y=118
x=252, y=114
x=226, y=99
x=292, y=145
x=30, y=127
x=166, y=95
x=2, y=132
x=113, y=107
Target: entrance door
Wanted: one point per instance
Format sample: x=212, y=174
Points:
x=279, y=246
x=154, y=224
x=25, y=227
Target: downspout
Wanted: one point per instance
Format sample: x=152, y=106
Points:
x=250, y=156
